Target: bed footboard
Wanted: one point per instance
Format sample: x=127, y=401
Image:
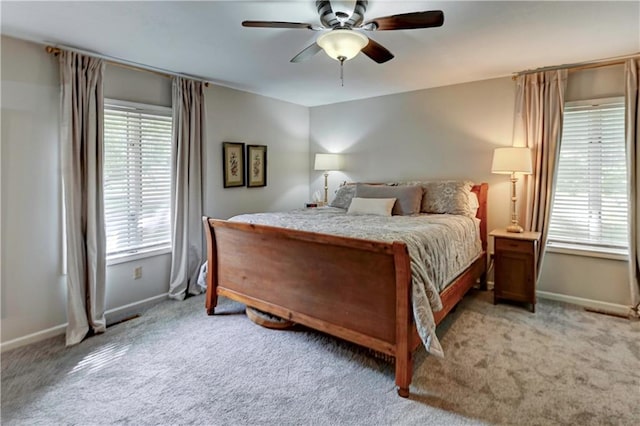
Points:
x=363, y=297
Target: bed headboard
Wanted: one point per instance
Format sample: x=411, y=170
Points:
x=481, y=191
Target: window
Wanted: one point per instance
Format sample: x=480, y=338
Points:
x=137, y=178
x=590, y=203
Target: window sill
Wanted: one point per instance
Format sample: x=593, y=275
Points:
x=130, y=257
x=575, y=250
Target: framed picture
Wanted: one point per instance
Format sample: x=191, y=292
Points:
x=256, y=166
x=233, y=164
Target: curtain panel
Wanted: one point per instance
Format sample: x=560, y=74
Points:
x=632, y=136
x=539, y=112
x=81, y=138
x=189, y=117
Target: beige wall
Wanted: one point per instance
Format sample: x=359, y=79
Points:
x=33, y=289
x=446, y=132
x=450, y=132
x=235, y=116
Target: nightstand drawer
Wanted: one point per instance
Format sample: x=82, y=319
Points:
x=522, y=246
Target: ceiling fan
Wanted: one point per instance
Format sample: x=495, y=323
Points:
x=345, y=19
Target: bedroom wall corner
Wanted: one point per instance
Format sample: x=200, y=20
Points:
x=237, y=116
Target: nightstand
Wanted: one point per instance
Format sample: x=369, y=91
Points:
x=515, y=266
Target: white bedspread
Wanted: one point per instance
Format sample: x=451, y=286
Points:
x=440, y=247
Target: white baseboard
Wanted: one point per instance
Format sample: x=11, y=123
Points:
x=112, y=315
x=596, y=305
x=118, y=314
x=33, y=337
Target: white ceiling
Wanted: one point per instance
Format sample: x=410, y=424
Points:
x=479, y=40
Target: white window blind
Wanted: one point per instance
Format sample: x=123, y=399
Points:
x=137, y=177
x=590, y=202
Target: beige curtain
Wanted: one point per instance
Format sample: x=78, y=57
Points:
x=632, y=120
x=189, y=117
x=538, y=125
x=82, y=157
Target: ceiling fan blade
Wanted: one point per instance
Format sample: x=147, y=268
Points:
x=307, y=53
x=406, y=21
x=277, y=24
x=377, y=52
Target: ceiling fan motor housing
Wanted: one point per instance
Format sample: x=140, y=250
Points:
x=331, y=19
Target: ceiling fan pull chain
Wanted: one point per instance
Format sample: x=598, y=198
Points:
x=341, y=59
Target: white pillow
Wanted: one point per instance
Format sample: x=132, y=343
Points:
x=474, y=204
x=375, y=206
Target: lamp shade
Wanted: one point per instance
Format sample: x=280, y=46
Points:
x=512, y=160
x=328, y=162
x=342, y=44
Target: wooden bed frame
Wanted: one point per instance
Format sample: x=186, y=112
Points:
x=354, y=289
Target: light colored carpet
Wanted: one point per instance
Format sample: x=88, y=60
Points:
x=176, y=365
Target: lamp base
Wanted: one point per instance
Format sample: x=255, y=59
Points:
x=515, y=228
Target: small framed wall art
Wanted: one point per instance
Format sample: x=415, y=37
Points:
x=233, y=164
x=256, y=166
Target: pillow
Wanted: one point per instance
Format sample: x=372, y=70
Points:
x=407, y=197
x=474, y=204
x=375, y=206
x=343, y=197
x=447, y=196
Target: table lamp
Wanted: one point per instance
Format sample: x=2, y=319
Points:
x=327, y=162
x=510, y=161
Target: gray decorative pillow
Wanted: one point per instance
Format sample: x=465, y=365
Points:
x=447, y=196
x=407, y=197
x=343, y=197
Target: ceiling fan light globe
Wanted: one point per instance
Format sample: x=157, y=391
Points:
x=342, y=43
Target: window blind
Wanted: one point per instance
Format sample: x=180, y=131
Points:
x=590, y=203
x=137, y=177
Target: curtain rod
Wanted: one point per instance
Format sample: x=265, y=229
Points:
x=124, y=63
x=581, y=66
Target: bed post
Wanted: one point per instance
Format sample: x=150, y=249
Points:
x=484, y=189
x=211, y=300
x=481, y=191
x=403, y=347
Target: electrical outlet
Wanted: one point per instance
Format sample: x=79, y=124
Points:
x=137, y=273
